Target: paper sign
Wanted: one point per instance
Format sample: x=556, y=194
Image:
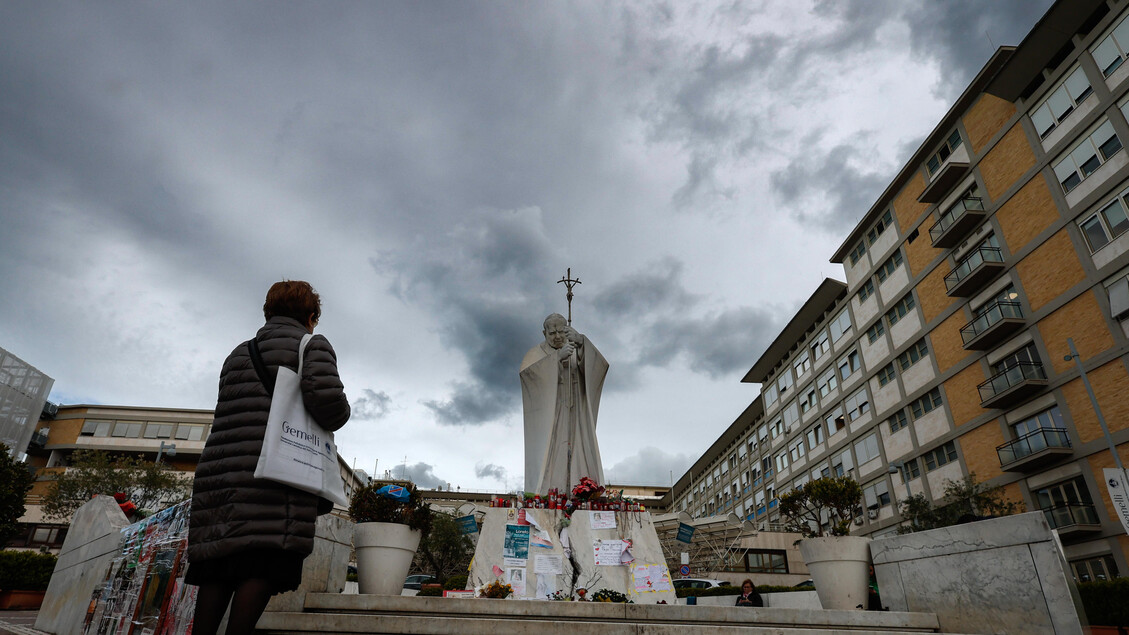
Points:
x=467, y=524
x=497, y=571
x=651, y=578
x=459, y=594
x=608, y=552
x=551, y=565
x=516, y=544
x=510, y=563
x=546, y=585
x=685, y=533
x=602, y=520
x=516, y=579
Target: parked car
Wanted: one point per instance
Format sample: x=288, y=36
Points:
x=806, y=584
x=699, y=583
x=418, y=580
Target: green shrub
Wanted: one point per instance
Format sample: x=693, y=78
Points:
x=772, y=588
x=455, y=583
x=26, y=570
x=734, y=590
x=350, y=577
x=430, y=591
x=1106, y=602
x=607, y=595
x=369, y=507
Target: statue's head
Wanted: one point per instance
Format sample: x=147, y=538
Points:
x=556, y=330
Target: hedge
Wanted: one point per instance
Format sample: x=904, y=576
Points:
x=26, y=570
x=1106, y=602
x=735, y=590
x=455, y=583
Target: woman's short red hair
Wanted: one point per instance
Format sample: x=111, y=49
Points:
x=293, y=299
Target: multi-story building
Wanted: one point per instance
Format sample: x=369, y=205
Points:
x=23, y=395
x=176, y=434
x=999, y=244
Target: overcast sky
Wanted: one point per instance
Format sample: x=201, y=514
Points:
x=433, y=169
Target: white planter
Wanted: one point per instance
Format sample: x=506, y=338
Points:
x=840, y=568
x=384, y=555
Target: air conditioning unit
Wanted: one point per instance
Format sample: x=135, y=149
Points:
x=872, y=513
x=858, y=520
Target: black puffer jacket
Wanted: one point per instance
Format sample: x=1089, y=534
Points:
x=231, y=509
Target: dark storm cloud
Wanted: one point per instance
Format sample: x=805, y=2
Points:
x=657, y=289
x=422, y=474
x=829, y=191
x=371, y=405
x=650, y=466
x=496, y=472
x=716, y=344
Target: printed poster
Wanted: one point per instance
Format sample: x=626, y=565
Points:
x=516, y=543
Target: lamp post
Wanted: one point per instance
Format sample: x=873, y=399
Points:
x=1093, y=400
x=168, y=450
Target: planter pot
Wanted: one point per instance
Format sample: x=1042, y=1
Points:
x=384, y=555
x=840, y=568
x=23, y=600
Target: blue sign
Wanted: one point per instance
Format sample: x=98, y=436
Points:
x=685, y=533
x=467, y=524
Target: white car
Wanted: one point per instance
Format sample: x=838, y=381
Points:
x=699, y=583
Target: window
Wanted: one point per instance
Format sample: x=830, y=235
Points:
x=899, y=310
x=1111, y=52
x=835, y=421
x=815, y=435
x=841, y=325
x=791, y=415
x=858, y=404
x=940, y=456
x=866, y=290
x=911, y=470
x=1094, y=569
x=802, y=364
x=158, y=431
x=777, y=428
x=912, y=355
x=127, y=429
x=890, y=266
x=187, y=432
x=1025, y=355
x=796, y=451
x=943, y=153
x=1062, y=102
x=807, y=401
x=898, y=420
x=875, y=332
x=848, y=364
x=785, y=382
x=1086, y=157
x=762, y=432
x=1047, y=419
x=1105, y=225
x=96, y=428
x=766, y=561
x=879, y=227
x=781, y=461
x=766, y=463
x=770, y=394
x=819, y=345
x=867, y=448
x=926, y=403
x=887, y=374
x=1069, y=502
x=857, y=252
x=827, y=382
x=876, y=495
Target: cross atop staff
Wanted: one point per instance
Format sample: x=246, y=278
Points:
x=569, y=284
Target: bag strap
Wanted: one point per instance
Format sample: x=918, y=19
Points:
x=260, y=367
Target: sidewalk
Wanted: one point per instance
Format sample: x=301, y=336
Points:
x=18, y=623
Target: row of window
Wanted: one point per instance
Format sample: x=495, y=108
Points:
x=147, y=430
x=819, y=346
x=871, y=236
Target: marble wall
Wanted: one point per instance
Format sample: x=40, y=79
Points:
x=1003, y=575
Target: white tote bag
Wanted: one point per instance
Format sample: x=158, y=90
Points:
x=296, y=450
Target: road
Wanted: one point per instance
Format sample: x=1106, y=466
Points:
x=18, y=623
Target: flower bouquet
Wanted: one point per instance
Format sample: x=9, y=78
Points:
x=496, y=590
x=587, y=488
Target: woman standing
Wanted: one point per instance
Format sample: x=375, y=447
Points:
x=247, y=537
x=749, y=595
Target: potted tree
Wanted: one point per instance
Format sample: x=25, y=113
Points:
x=839, y=563
x=391, y=520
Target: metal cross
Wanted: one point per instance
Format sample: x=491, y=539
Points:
x=569, y=284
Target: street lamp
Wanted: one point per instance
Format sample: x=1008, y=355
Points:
x=1093, y=400
x=168, y=449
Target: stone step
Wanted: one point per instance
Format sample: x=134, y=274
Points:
x=338, y=613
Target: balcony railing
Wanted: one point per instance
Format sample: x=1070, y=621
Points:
x=1012, y=384
x=979, y=266
x=1073, y=517
x=995, y=322
x=955, y=223
x=1034, y=448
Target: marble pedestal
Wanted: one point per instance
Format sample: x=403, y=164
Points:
x=1004, y=575
x=579, y=568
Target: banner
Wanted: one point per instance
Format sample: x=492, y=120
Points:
x=1118, y=484
x=685, y=533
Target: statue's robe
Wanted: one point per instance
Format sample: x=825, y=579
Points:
x=560, y=404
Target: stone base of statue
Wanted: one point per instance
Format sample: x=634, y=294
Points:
x=541, y=554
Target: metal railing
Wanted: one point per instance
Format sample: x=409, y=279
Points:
x=1032, y=443
x=990, y=316
x=953, y=213
x=1010, y=377
x=972, y=262
x=1070, y=515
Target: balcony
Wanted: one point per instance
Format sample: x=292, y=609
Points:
x=956, y=222
x=1012, y=385
x=1034, y=450
x=1073, y=518
x=995, y=322
x=977, y=268
x=950, y=174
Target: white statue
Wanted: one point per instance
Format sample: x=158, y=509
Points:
x=561, y=382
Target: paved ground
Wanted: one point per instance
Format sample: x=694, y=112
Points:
x=18, y=623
